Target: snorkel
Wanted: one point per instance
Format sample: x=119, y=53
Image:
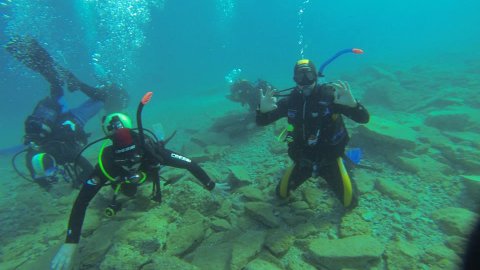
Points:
x=335, y=56
x=145, y=99
x=322, y=67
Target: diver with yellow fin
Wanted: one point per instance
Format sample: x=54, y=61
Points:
x=316, y=134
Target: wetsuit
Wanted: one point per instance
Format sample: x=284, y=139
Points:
x=317, y=136
x=153, y=157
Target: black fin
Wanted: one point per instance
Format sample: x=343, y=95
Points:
x=27, y=50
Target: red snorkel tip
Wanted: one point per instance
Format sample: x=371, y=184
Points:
x=147, y=97
x=357, y=51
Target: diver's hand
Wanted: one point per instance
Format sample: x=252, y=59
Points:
x=221, y=189
x=64, y=256
x=267, y=102
x=343, y=94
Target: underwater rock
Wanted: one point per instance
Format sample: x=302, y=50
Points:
x=379, y=73
x=239, y=175
x=192, y=216
x=245, y=247
x=216, y=151
x=395, y=191
x=312, y=196
x=215, y=256
x=449, y=120
x=402, y=255
x=455, y=221
x=358, y=252
x=219, y=225
x=206, y=138
x=279, y=242
x=365, y=181
x=440, y=257
x=252, y=193
x=408, y=164
x=190, y=148
x=99, y=243
x=304, y=230
x=383, y=92
x=193, y=196
x=184, y=239
x=172, y=174
x=387, y=134
x=164, y=261
x=225, y=209
x=259, y=264
x=262, y=212
x=292, y=218
x=120, y=256
x=299, y=264
x=353, y=224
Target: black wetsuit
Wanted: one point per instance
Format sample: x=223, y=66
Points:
x=319, y=135
x=64, y=141
x=150, y=166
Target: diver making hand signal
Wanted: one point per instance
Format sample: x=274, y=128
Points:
x=316, y=133
x=133, y=158
x=267, y=102
x=343, y=94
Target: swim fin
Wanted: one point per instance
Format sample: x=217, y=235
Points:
x=27, y=50
x=355, y=155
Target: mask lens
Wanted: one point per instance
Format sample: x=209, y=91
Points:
x=306, y=77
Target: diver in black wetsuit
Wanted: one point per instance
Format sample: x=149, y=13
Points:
x=54, y=134
x=125, y=165
x=316, y=133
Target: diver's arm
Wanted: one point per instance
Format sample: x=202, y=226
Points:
x=176, y=160
x=89, y=189
x=266, y=118
x=358, y=113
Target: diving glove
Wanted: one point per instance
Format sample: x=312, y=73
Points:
x=64, y=256
x=267, y=102
x=343, y=94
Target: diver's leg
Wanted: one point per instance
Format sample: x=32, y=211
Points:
x=86, y=111
x=340, y=182
x=115, y=97
x=28, y=51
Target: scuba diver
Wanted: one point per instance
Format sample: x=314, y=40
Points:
x=54, y=134
x=132, y=159
x=245, y=92
x=316, y=134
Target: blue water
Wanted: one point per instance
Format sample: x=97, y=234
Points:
x=181, y=47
